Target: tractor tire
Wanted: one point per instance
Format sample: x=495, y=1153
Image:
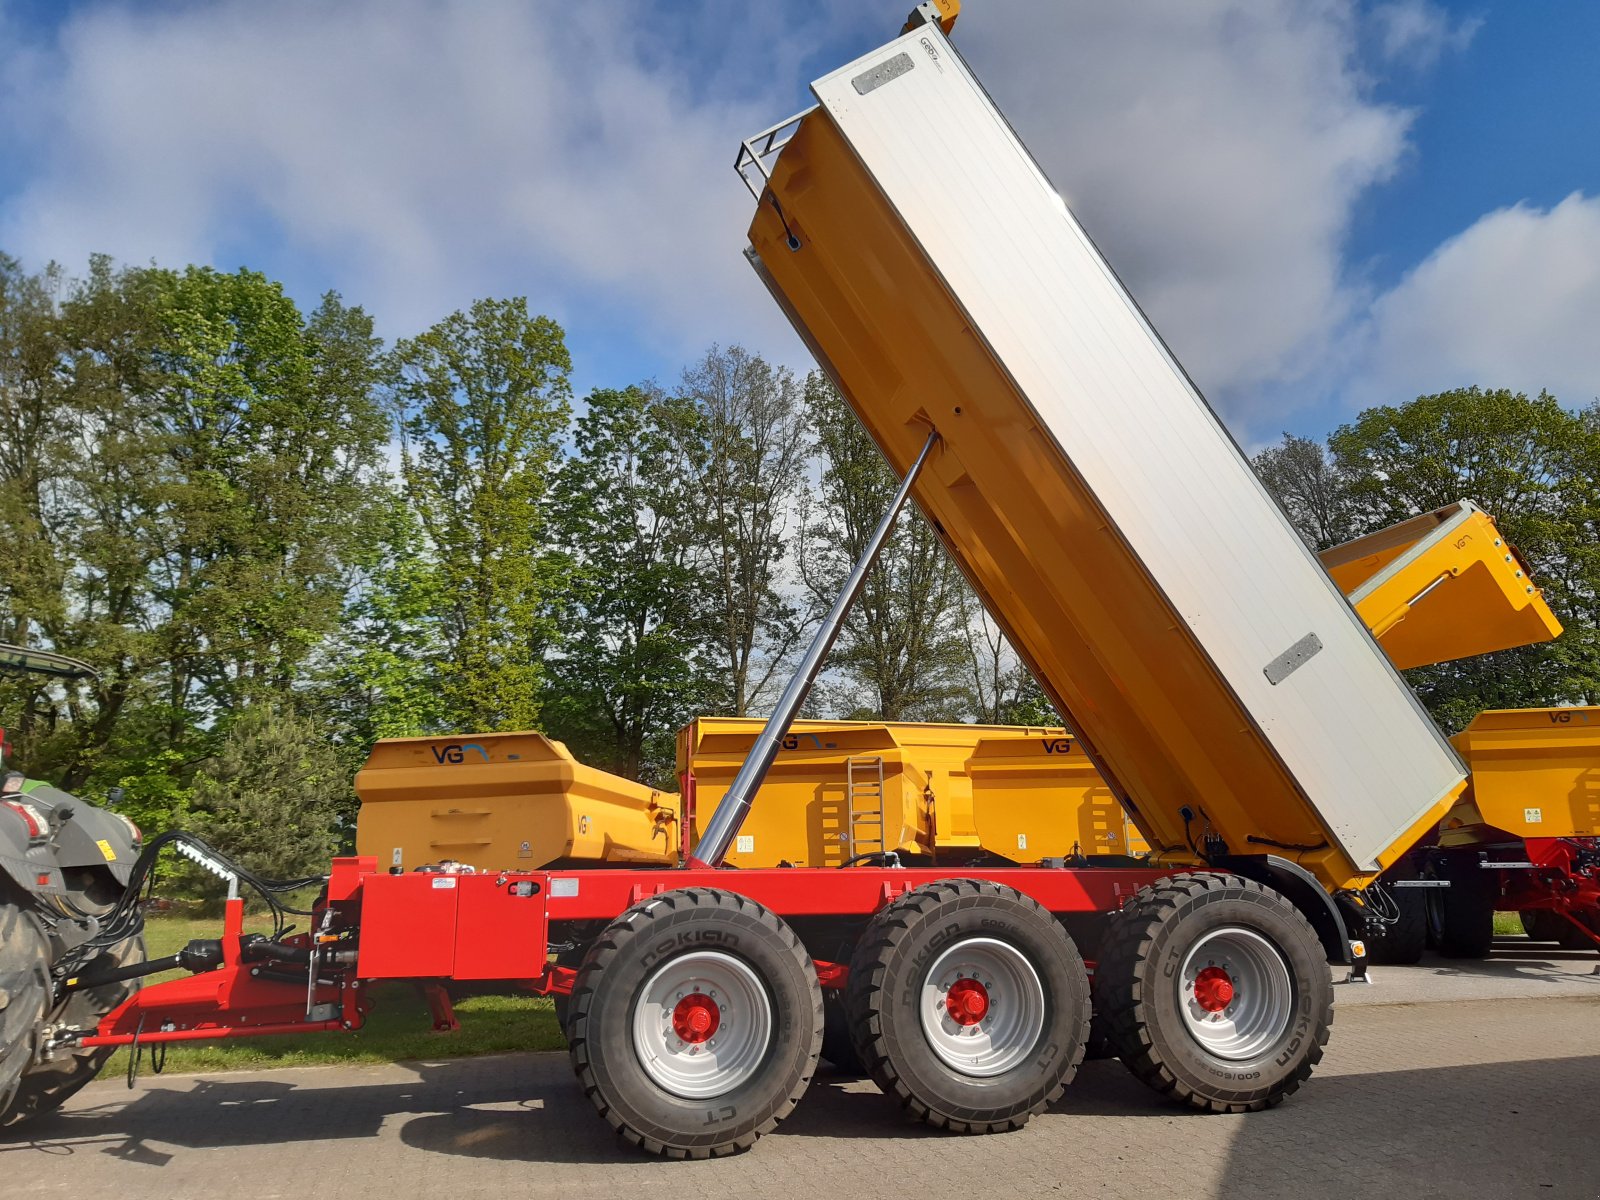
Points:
x=1402, y=943
x=1215, y=991
x=24, y=998
x=46, y=1086
x=665, y=983
x=838, y=1047
x=969, y=1004
x=1465, y=909
x=1542, y=925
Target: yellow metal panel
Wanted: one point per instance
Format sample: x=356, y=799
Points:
x=1040, y=797
x=1077, y=606
x=1535, y=773
x=1442, y=586
x=501, y=801
x=800, y=814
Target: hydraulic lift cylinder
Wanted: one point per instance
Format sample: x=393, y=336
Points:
x=713, y=845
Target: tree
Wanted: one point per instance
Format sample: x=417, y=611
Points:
x=1312, y=489
x=207, y=473
x=1000, y=689
x=901, y=653
x=628, y=672
x=274, y=794
x=1535, y=467
x=483, y=398
x=746, y=447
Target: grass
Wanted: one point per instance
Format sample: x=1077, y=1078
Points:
x=1508, y=924
x=397, y=1028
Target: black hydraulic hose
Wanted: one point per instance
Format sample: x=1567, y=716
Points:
x=149, y=966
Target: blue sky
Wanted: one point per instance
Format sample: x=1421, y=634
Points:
x=1322, y=205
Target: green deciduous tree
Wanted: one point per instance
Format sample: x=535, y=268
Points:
x=628, y=673
x=746, y=450
x=483, y=398
x=902, y=653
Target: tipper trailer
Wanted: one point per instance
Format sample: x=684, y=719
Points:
x=1228, y=694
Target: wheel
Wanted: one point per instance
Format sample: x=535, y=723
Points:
x=46, y=1086
x=1215, y=991
x=695, y=1022
x=24, y=998
x=838, y=1047
x=1542, y=925
x=1466, y=908
x=1571, y=938
x=969, y=1005
x=1402, y=943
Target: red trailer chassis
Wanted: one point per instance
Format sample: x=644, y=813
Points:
x=495, y=927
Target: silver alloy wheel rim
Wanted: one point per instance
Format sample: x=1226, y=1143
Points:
x=1263, y=994
x=699, y=1071
x=1014, y=1022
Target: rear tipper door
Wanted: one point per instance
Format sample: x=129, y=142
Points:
x=1105, y=516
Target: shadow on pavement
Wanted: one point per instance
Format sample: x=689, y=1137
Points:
x=1505, y=1127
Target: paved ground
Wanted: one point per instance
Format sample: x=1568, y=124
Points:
x=1482, y=1097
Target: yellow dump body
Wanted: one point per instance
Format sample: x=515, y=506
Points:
x=501, y=801
x=1535, y=774
x=1442, y=586
x=802, y=814
x=1099, y=510
x=1024, y=792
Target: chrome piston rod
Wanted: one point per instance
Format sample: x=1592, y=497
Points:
x=729, y=817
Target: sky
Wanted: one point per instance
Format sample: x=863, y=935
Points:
x=1322, y=205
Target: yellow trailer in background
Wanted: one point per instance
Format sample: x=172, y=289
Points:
x=505, y=801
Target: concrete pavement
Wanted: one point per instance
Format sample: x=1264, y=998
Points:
x=1482, y=1097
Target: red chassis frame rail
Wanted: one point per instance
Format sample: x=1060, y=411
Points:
x=431, y=928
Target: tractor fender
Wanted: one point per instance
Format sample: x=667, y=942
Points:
x=1300, y=887
x=84, y=834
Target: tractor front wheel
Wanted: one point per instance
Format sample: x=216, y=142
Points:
x=24, y=999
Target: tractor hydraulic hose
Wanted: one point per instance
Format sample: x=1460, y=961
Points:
x=730, y=814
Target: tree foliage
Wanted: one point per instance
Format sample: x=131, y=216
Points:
x=629, y=669
x=744, y=445
x=901, y=654
x=483, y=398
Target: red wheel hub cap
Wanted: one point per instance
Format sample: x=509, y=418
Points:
x=1213, y=990
x=967, y=1002
x=695, y=1019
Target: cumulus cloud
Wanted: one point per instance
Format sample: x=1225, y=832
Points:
x=1214, y=150
x=420, y=153
x=1510, y=302
x=1420, y=32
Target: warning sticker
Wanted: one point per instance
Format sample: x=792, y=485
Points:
x=105, y=848
x=1533, y=816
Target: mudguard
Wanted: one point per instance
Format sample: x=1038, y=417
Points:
x=75, y=835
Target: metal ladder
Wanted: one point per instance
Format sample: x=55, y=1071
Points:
x=863, y=793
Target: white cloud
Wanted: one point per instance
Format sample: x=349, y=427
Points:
x=1420, y=32
x=1511, y=302
x=420, y=153
x=1214, y=149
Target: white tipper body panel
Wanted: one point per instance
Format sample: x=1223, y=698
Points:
x=1178, y=489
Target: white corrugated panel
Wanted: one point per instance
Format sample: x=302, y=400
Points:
x=1049, y=308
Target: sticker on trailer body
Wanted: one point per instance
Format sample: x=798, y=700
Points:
x=565, y=887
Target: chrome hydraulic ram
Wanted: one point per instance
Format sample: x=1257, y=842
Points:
x=712, y=847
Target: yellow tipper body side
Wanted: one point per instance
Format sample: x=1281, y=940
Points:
x=1535, y=774
x=1124, y=666
x=505, y=801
